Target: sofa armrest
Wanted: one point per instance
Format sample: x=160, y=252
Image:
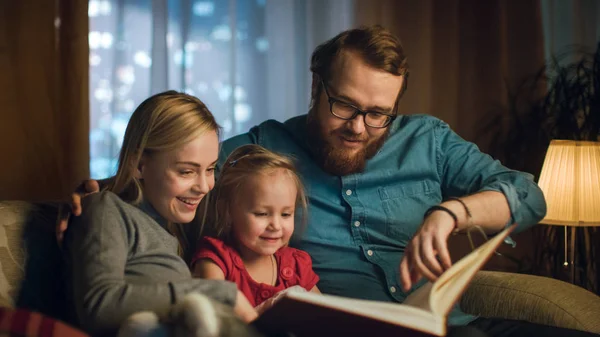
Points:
x=30, y=259
x=532, y=298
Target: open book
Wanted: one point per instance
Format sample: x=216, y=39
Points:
x=423, y=313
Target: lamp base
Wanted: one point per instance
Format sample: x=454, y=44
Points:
x=575, y=262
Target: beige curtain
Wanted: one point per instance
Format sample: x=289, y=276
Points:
x=462, y=53
x=43, y=98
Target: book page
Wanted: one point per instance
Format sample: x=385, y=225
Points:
x=420, y=297
x=451, y=284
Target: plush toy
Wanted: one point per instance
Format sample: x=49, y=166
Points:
x=195, y=316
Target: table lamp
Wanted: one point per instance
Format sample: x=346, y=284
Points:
x=570, y=180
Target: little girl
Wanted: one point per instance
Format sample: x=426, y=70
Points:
x=252, y=218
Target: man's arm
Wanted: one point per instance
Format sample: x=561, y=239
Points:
x=430, y=242
x=465, y=172
x=489, y=208
x=492, y=196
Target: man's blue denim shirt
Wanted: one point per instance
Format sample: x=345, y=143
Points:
x=359, y=225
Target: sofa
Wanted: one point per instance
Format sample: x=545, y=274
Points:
x=30, y=278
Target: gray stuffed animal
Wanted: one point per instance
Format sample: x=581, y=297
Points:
x=195, y=316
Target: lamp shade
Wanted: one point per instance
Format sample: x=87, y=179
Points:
x=570, y=180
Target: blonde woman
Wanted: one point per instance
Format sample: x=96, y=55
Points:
x=122, y=253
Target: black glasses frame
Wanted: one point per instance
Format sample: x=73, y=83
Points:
x=357, y=111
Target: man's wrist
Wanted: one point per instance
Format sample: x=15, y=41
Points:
x=462, y=212
x=463, y=204
x=440, y=208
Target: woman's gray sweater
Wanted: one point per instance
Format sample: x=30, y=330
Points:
x=120, y=259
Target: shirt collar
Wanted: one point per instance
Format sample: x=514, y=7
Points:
x=147, y=208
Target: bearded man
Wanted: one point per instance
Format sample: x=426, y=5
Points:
x=386, y=190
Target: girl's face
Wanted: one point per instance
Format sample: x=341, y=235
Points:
x=263, y=213
x=175, y=181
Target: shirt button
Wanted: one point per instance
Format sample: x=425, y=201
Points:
x=356, y=223
x=348, y=192
x=393, y=289
x=370, y=252
x=265, y=294
x=287, y=273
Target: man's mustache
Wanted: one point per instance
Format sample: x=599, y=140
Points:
x=348, y=135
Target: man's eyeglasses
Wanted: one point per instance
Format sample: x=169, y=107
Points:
x=347, y=111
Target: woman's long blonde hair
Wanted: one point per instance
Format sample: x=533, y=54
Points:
x=162, y=122
x=243, y=162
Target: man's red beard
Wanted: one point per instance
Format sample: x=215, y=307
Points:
x=335, y=160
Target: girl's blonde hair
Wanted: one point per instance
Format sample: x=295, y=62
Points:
x=162, y=122
x=243, y=162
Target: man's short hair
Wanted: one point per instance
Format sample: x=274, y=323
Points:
x=376, y=45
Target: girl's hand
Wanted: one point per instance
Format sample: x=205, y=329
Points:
x=271, y=301
x=243, y=309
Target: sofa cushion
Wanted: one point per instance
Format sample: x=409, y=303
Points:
x=532, y=298
x=30, y=259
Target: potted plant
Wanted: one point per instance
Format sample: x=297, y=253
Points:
x=560, y=101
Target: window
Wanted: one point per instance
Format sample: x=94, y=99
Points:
x=246, y=59
x=201, y=59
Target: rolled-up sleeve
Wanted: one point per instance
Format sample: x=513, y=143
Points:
x=464, y=170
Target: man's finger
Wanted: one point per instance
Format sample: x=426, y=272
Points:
x=59, y=238
x=405, y=274
x=91, y=186
x=443, y=253
x=419, y=268
x=415, y=276
x=76, y=204
x=429, y=259
x=61, y=222
x=62, y=225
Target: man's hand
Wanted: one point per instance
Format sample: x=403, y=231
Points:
x=243, y=309
x=422, y=253
x=73, y=206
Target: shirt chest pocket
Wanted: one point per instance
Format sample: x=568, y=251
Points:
x=404, y=205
